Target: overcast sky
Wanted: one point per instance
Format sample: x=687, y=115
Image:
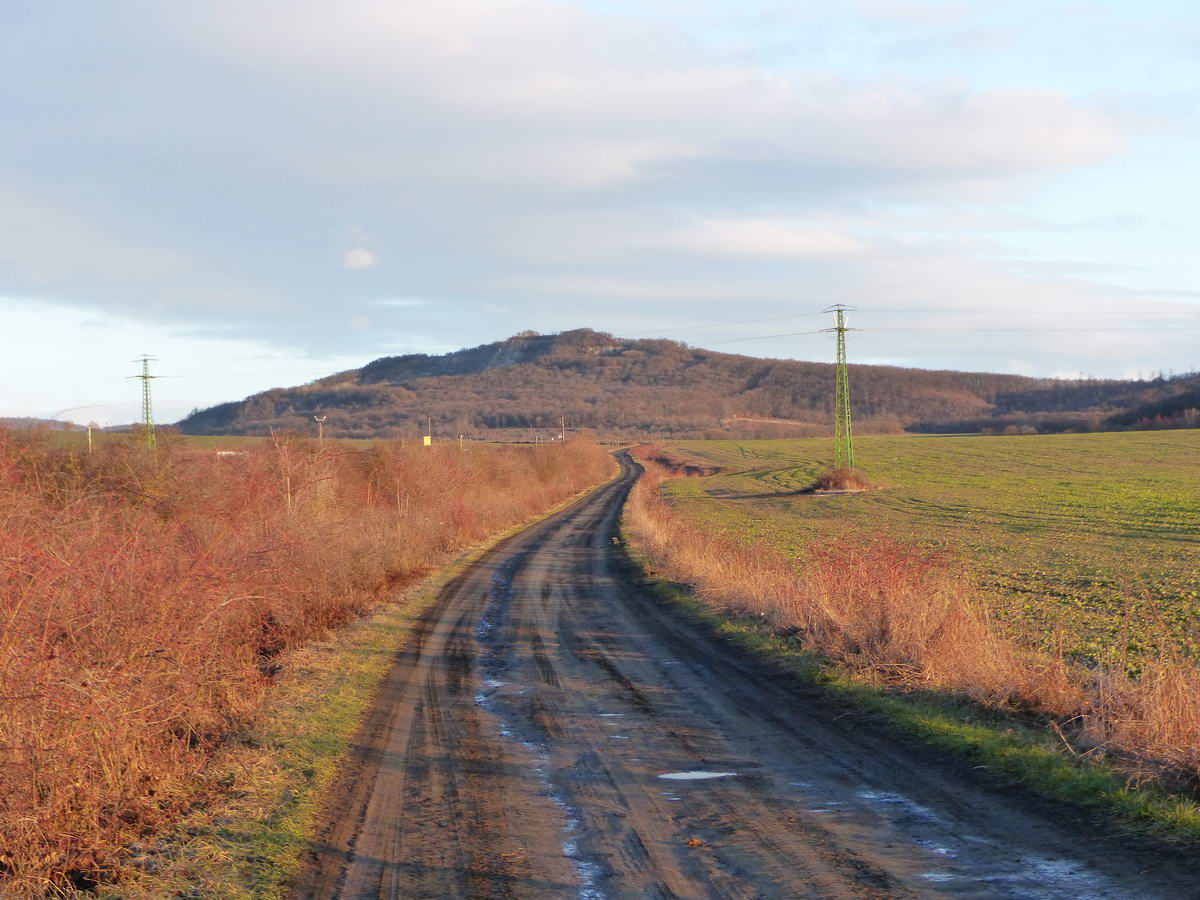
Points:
x=261, y=192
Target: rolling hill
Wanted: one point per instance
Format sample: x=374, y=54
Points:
x=521, y=385
x=23, y=423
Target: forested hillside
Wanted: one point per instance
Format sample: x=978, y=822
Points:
x=599, y=382
x=22, y=422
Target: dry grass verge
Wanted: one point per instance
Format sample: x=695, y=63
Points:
x=147, y=599
x=264, y=795
x=893, y=614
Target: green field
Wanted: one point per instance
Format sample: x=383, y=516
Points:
x=1083, y=538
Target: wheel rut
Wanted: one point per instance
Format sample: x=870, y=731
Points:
x=518, y=748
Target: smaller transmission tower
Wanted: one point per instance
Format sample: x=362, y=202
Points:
x=147, y=406
x=843, y=432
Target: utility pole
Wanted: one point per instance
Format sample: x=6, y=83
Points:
x=562, y=429
x=843, y=433
x=320, y=420
x=147, y=407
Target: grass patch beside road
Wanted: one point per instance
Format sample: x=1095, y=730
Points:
x=264, y=794
x=263, y=797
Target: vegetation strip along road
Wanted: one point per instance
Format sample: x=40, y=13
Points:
x=152, y=601
x=1089, y=543
x=520, y=748
x=248, y=841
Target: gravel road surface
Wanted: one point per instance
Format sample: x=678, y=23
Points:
x=553, y=731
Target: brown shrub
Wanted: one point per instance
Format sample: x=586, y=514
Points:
x=842, y=479
x=146, y=599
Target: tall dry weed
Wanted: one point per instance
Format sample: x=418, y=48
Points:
x=147, y=599
x=1154, y=718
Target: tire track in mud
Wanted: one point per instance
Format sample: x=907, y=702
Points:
x=519, y=746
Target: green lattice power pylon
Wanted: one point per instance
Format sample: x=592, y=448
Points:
x=147, y=407
x=843, y=430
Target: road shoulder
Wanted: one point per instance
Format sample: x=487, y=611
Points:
x=1012, y=754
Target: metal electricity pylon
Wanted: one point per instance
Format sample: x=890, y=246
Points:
x=843, y=431
x=147, y=407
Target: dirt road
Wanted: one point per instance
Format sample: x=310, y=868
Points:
x=552, y=731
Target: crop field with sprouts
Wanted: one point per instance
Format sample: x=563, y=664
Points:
x=1088, y=543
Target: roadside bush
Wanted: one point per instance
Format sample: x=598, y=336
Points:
x=842, y=479
x=148, y=598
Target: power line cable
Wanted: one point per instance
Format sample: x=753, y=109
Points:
x=764, y=337
x=276, y=357
x=931, y=311
x=242, y=374
x=1132, y=314
x=41, y=379
x=985, y=329
x=721, y=324
x=965, y=330
x=92, y=384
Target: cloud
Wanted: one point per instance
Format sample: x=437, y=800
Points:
x=358, y=258
x=516, y=163
x=766, y=239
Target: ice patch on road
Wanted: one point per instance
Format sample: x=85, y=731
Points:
x=589, y=873
x=493, y=685
x=909, y=806
x=936, y=848
x=1027, y=876
x=499, y=597
x=1056, y=878
x=937, y=876
x=695, y=776
x=490, y=634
